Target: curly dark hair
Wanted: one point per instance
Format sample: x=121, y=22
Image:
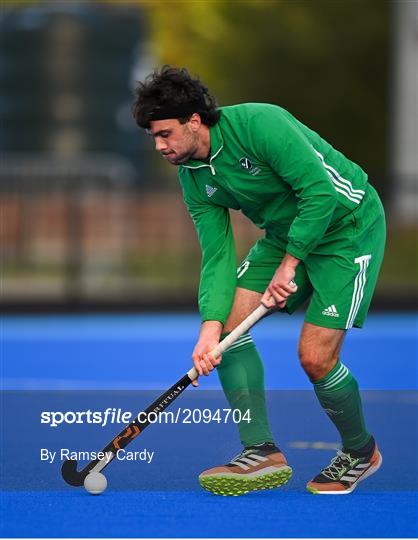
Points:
x=172, y=90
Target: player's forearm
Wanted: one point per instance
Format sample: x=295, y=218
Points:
x=211, y=329
x=218, y=267
x=311, y=223
x=290, y=261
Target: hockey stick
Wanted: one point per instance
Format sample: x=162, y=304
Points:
x=132, y=430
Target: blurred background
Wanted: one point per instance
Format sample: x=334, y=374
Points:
x=91, y=216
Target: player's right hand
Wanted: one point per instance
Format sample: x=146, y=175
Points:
x=208, y=340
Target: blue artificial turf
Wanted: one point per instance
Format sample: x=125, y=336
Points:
x=163, y=499
x=274, y=514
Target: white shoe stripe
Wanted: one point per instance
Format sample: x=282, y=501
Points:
x=249, y=461
x=355, y=473
x=260, y=458
x=241, y=465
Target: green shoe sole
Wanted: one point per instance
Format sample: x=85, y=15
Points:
x=231, y=485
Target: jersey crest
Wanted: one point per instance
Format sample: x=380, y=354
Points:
x=248, y=166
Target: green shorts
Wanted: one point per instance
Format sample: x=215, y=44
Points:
x=339, y=276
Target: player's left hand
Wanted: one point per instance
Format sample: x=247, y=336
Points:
x=280, y=287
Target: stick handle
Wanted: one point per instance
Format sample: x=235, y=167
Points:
x=245, y=325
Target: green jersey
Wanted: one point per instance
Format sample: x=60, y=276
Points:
x=282, y=175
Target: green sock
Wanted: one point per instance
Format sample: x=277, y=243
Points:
x=339, y=396
x=241, y=374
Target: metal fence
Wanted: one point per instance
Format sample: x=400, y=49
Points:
x=81, y=232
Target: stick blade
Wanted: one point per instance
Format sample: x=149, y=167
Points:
x=71, y=475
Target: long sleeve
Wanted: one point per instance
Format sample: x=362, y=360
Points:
x=293, y=158
x=218, y=266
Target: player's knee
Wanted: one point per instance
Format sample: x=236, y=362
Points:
x=315, y=365
x=312, y=365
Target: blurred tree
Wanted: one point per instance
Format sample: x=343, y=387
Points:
x=326, y=61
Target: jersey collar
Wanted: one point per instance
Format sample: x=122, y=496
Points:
x=216, y=145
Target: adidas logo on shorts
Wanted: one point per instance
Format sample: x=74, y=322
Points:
x=331, y=311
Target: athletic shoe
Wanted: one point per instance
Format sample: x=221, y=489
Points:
x=344, y=473
x=256, y=467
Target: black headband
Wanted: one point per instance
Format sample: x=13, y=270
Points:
x=163, y=112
